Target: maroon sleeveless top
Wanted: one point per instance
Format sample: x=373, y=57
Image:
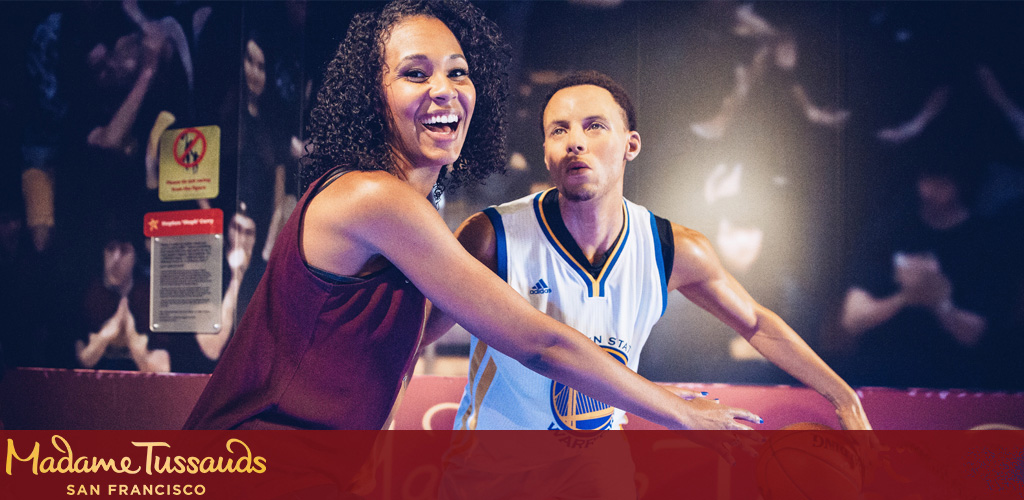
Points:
x=311, y=354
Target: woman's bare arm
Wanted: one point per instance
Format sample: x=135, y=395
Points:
x=364, y=214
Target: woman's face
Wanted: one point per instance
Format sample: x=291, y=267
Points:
x=254, y=66
x=428, y=92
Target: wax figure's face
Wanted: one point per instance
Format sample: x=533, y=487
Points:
x=587, y=142
x=255, y=68
x=428, y=92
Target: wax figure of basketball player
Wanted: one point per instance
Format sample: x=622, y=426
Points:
x=586, y=256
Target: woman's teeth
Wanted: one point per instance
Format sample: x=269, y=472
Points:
x=442, y=123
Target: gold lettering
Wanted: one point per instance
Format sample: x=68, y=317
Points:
x=206, y=465
x=34, y=457
x=99, y=463
x=149, y=452
x=247, y=458
x=126, y=466
x=64, y=464
x=47, y=465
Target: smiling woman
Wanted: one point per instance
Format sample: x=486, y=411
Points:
x=332, y=300
x=428, y=91
x=348, y=129
x=333, y=328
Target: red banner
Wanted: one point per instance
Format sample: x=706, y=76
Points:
x=183, y=223
x=513, y=464
x=45, y=398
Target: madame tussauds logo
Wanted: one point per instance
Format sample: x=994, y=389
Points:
x=64, y=461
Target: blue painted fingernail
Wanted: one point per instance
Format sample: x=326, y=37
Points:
x=760, y=420
x=703, y=393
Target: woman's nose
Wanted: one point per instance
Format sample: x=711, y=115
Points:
x=442, y=90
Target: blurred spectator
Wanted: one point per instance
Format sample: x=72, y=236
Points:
x=41, y=135
x=23, y=289
x=116, y=306
x=113, y=324
x=776, y=49
x=269, y=126
x=26, y=195
x=924, y=300
x=265, y=119
x=114, y=79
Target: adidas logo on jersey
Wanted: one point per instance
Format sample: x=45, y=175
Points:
x=540, y=287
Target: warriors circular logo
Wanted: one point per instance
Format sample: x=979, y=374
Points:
x=576, y=412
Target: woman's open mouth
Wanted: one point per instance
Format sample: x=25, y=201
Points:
x=442, y=124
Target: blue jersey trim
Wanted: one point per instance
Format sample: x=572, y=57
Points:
x=661, y=264
x=538, y=212
x=501, y=245
x=618, y=251
x=591, y=281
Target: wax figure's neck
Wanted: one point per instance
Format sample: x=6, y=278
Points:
x=594, y=224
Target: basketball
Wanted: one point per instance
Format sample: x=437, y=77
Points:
x=809, y=461
x=806, y=426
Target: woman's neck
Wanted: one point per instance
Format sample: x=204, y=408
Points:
x=421, y=178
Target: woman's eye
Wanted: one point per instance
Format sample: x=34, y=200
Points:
x=458, y=73
x=415, y=74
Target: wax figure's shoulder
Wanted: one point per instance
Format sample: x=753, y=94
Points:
x=695, y=259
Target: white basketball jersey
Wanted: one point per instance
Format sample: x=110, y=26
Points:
x=616, y=309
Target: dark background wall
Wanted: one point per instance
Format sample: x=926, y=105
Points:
x=781, y=101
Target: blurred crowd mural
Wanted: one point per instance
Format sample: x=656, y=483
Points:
x=858, y=166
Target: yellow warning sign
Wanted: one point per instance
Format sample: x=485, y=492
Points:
x=190, y=163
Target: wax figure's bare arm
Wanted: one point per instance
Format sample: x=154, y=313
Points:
x=364, y=214
x=699, y=275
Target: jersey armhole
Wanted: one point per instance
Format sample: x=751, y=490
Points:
x=665, y=252
x=499, y=242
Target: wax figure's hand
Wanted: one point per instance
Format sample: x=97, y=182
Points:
x=726, y=443
x=853, y=418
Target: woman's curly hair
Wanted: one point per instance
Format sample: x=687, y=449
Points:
x=348, y=127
